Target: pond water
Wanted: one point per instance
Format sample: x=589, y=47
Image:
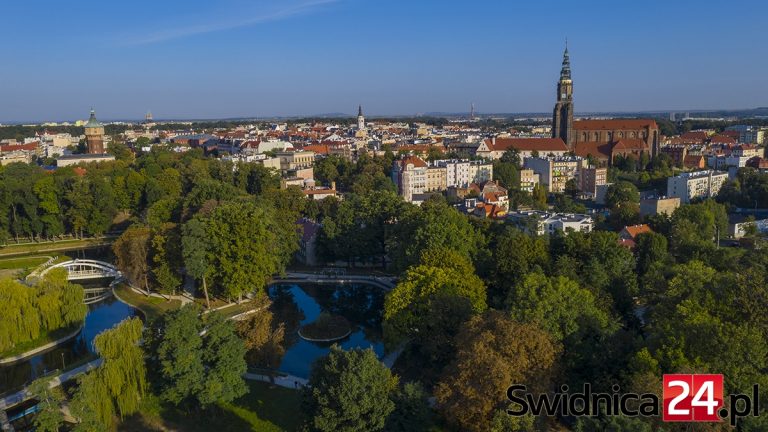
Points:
x=101, y=316
x=298, y=305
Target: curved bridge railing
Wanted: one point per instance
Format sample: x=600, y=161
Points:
x=80, y=269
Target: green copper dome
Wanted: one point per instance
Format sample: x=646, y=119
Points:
x=92, y=122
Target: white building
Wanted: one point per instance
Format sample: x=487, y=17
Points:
x=410, y=177
x=554, y=172
x=695, y=185
x=548, y=223
x=461, y=173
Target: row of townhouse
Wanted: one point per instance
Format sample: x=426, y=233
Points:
x=414, y=177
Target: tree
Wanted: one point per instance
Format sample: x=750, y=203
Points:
x=349, y=391
x=249, y=244
x=50, y=210
x=49, y=416
x=224, y=359
x=166, y=257
x=412, y=412
x=361, y=227
x=572, y=188
x=200, y=362
x=263, y=336
x=557, y=305
x=507, y=173
x=621, y=192
x=433, y=225
x=406, y=306
x=132, y=253
x=175, y=345
x=118, y=384
x=516, y=254
x=493, y=351
x=196, y=251
x=539, y=195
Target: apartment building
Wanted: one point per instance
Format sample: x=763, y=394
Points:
x=696, y=185
x=410, y=176
x=554, y=172
x=528, y=180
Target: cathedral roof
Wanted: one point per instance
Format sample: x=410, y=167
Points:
x=527, y=144
x=615, y=124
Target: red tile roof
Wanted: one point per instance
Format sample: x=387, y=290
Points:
x=636, y=230
x=527, y=144
x=599, y=150
x=615, y=124
x=16, y=147
x=415, y=161
x=722, y=139
x=630, y=144
x=695, y=135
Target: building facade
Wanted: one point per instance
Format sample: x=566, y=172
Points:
x=94, y=135
x=590, y=178
x=410, y=176
x=696, y=185
x=554, y=172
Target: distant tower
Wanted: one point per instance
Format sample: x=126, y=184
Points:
x=562, y=118
x=148, y=117
x=472, y=111
x=360, y=118
x=94, y=135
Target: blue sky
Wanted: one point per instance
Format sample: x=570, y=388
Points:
x=227, y=58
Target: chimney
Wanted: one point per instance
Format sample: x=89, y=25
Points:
x=333, y=185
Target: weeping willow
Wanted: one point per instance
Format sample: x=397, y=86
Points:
x=115, y=387
x=28, y=312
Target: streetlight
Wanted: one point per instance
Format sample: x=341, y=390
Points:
x=62, y=361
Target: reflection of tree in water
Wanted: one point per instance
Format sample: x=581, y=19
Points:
x=286, y=311
x=360, y=304
x=16, y=375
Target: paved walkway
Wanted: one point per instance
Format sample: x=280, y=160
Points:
x=287, y=381
x=384, y=282
x=22, y=395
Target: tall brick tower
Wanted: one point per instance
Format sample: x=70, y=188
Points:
x=94, y=135
x=562, y=118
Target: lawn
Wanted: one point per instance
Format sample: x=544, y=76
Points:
x=264, y=408
x=151, y=307
x=22, y=263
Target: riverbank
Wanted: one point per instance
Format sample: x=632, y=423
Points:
x=18, y=353
x=150, y=307
x=23, y=249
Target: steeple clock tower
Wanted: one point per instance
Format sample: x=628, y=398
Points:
x=360, y=118
x=562, y=118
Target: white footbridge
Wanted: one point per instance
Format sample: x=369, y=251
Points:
x=84, y=269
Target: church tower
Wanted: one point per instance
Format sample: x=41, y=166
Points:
x=360, y=118
x=94, y=135
x=562, y=118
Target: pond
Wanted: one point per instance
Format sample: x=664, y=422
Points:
x=101, y=316
x=298, y=305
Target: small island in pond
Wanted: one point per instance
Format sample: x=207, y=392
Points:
x=326, y=328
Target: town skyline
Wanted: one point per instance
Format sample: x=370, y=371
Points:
x=306, y=58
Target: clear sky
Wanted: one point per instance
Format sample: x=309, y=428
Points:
x=229, y=58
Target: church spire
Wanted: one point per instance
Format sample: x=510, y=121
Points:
x=359, y=110
x=565, y=72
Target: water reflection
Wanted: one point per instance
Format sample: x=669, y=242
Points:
x=101, y=316
x=297, y=305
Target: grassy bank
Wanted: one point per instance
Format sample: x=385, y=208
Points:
x=151, y=307
x=264, y=408
x=43, y=339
